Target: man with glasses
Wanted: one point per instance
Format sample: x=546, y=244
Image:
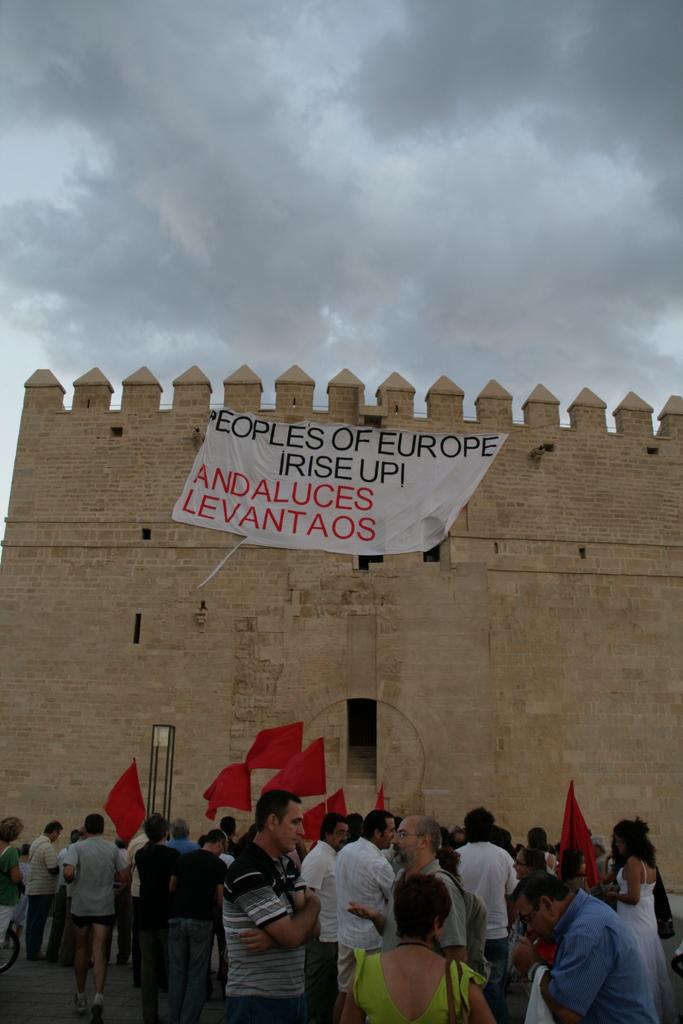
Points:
x=598, y=976
x=318, y=873
x=415, y=845
x=363, y=876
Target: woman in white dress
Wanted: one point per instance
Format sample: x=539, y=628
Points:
x=636, y=908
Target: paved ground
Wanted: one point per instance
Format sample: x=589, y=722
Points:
x=39, y=993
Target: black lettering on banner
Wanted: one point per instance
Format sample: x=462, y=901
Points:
x=323, y=466
x=260, y=427
x=223, y=418
x=385, y=438
x=359, y=436
x=247, y=420
x=212, y=415
x=388, y=469
x=413, y=437
x=450, y=437
x=426, y=441
x=342, y=463
x=471, y=443
x=315, y=434
x=292, y=436
x=485, y=444
x=276, y=444
x=368, y=479
x=294, y=462
x=342, y=447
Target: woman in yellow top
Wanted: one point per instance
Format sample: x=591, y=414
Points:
x=409, y=983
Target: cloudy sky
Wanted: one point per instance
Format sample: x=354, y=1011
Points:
x=481, y=188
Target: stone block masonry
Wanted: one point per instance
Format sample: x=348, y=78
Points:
x=545, y=644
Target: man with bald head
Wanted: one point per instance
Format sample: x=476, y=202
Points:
x=415, y=845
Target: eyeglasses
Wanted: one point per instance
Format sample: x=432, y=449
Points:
x=403, y=835
x=526, y=918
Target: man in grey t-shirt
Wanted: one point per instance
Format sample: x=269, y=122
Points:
x=93, y=865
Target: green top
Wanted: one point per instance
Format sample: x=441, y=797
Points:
x=370, y=993
x=9, y=894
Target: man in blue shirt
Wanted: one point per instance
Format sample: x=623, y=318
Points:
x=598, y=976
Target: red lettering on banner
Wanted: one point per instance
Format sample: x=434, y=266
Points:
x=361, y=497
x=308, y=495
x=323, y=504
x=343, y=497
x=226, y=483
x=225, y=510
x=313, y=525
x=239, y=494
x=362, y=526
x=201, y=475
x=204, y=504
x=276, y=496
x=343, y=536
x=187, y=501
x=249, y=516
x=261, y=491
x=293, y=512
x=276, y=524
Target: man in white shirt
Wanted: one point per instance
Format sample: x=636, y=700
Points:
x=318, y=873
x=489, y=871
x=363, y=876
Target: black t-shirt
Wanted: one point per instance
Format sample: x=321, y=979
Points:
x=154, y=866
x=198, y=874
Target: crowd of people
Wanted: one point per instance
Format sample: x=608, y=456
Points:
x=393, y=919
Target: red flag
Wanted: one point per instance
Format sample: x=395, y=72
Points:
x=125, y=805
x=232, y=788
x=379, y=806
x=337, y=803
x=313, y=819
x=304, y=774
x=273, y=748
x=576, y=836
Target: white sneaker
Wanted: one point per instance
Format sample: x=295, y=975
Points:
x=80, y=1003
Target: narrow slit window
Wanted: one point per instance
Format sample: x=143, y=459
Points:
x=653, y=451
x=582, y=552
x=136, y=631
x=433, y=555
x=146, y=533
x=117, y=431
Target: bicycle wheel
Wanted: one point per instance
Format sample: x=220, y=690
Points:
x=9, y=950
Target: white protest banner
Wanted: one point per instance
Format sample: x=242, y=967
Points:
x=357, y=490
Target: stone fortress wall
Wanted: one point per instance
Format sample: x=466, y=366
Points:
x=545, y=643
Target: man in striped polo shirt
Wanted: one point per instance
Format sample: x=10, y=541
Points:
x=269, y=914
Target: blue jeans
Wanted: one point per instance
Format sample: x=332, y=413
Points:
x=496, y=950
x=36, y=916
x=259, y=1010
x=189, y=949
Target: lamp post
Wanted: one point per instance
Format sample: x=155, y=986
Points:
x=161, y=761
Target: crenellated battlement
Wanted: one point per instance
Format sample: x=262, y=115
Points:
x=395, y=402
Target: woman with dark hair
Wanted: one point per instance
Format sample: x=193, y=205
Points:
x=538, y=840
x=636, y=907
x=528, y=860
x=411, y=983
x=574, y=870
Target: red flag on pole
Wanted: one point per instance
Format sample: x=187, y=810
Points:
x=576, y=836
x=313, y=819
x=232, y=788
x=273, y=748
x=337, y=803
x=125, y=805
x=379, y=806
x=304, y=774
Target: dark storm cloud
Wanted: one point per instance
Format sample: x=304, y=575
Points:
x=478, y=189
